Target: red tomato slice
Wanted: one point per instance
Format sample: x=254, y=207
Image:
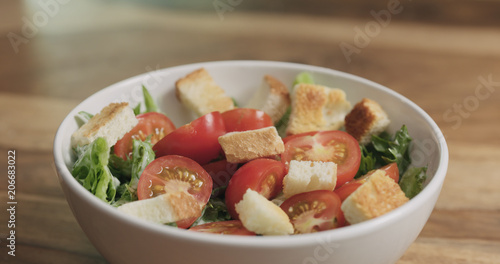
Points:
x=156, y=124
x=392, y=171
x=345, y=190
x=264, y=176
x=221, y=172
x=233, y=227
x=288, y=138
x=314, y=211
x=334, y=145
x=174, y=173
x=242, y=119
x=197, y=140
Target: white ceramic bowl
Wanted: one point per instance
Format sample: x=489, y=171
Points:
x=121, y=239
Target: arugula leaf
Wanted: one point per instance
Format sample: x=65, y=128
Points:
x=137, y=109
x=148, y=101
x=412, y=181
x=214, y=211
x=395, y=150
x=91, y=170
x=235, y=102
x=368, y=162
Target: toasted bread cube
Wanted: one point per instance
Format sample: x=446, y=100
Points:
x=316, y=107
x=112, y=123
x=262, y=216
x=377, y=196
x=165, y=208
x=199, y=92
x=367, y=118
x=247, y=145
x=306, y=176
x=272, y=98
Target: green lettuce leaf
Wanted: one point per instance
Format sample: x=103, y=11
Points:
x=142, y=155
x=91, y=170
x=119, y=167
x=412, y=181
x=303, y=77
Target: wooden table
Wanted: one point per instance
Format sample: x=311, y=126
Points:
x=445, y=56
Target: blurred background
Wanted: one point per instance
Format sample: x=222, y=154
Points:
x=55, y=53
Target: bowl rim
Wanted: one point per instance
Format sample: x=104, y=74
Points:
x=348, y=232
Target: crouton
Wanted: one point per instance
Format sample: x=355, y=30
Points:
x=316, y=107
x=262, y=216
x=247, y=145
x=272, y=98
x=377, y=196
x=165, y=208
x=112, y=123
x=305, y=176
x=199, y=93
x=367, y=118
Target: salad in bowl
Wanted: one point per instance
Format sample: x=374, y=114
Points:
x=272, y=160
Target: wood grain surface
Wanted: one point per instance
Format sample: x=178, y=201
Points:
x=443, y=55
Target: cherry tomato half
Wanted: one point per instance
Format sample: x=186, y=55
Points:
x=345, y=190
x=156, y=124
x=314, y=211
x=221, y=172
x=288, y=138
x=232, y=227
x=333, y=145
x=174, y=173
x=264, y=176
x=242, y=119
x=197, y=140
